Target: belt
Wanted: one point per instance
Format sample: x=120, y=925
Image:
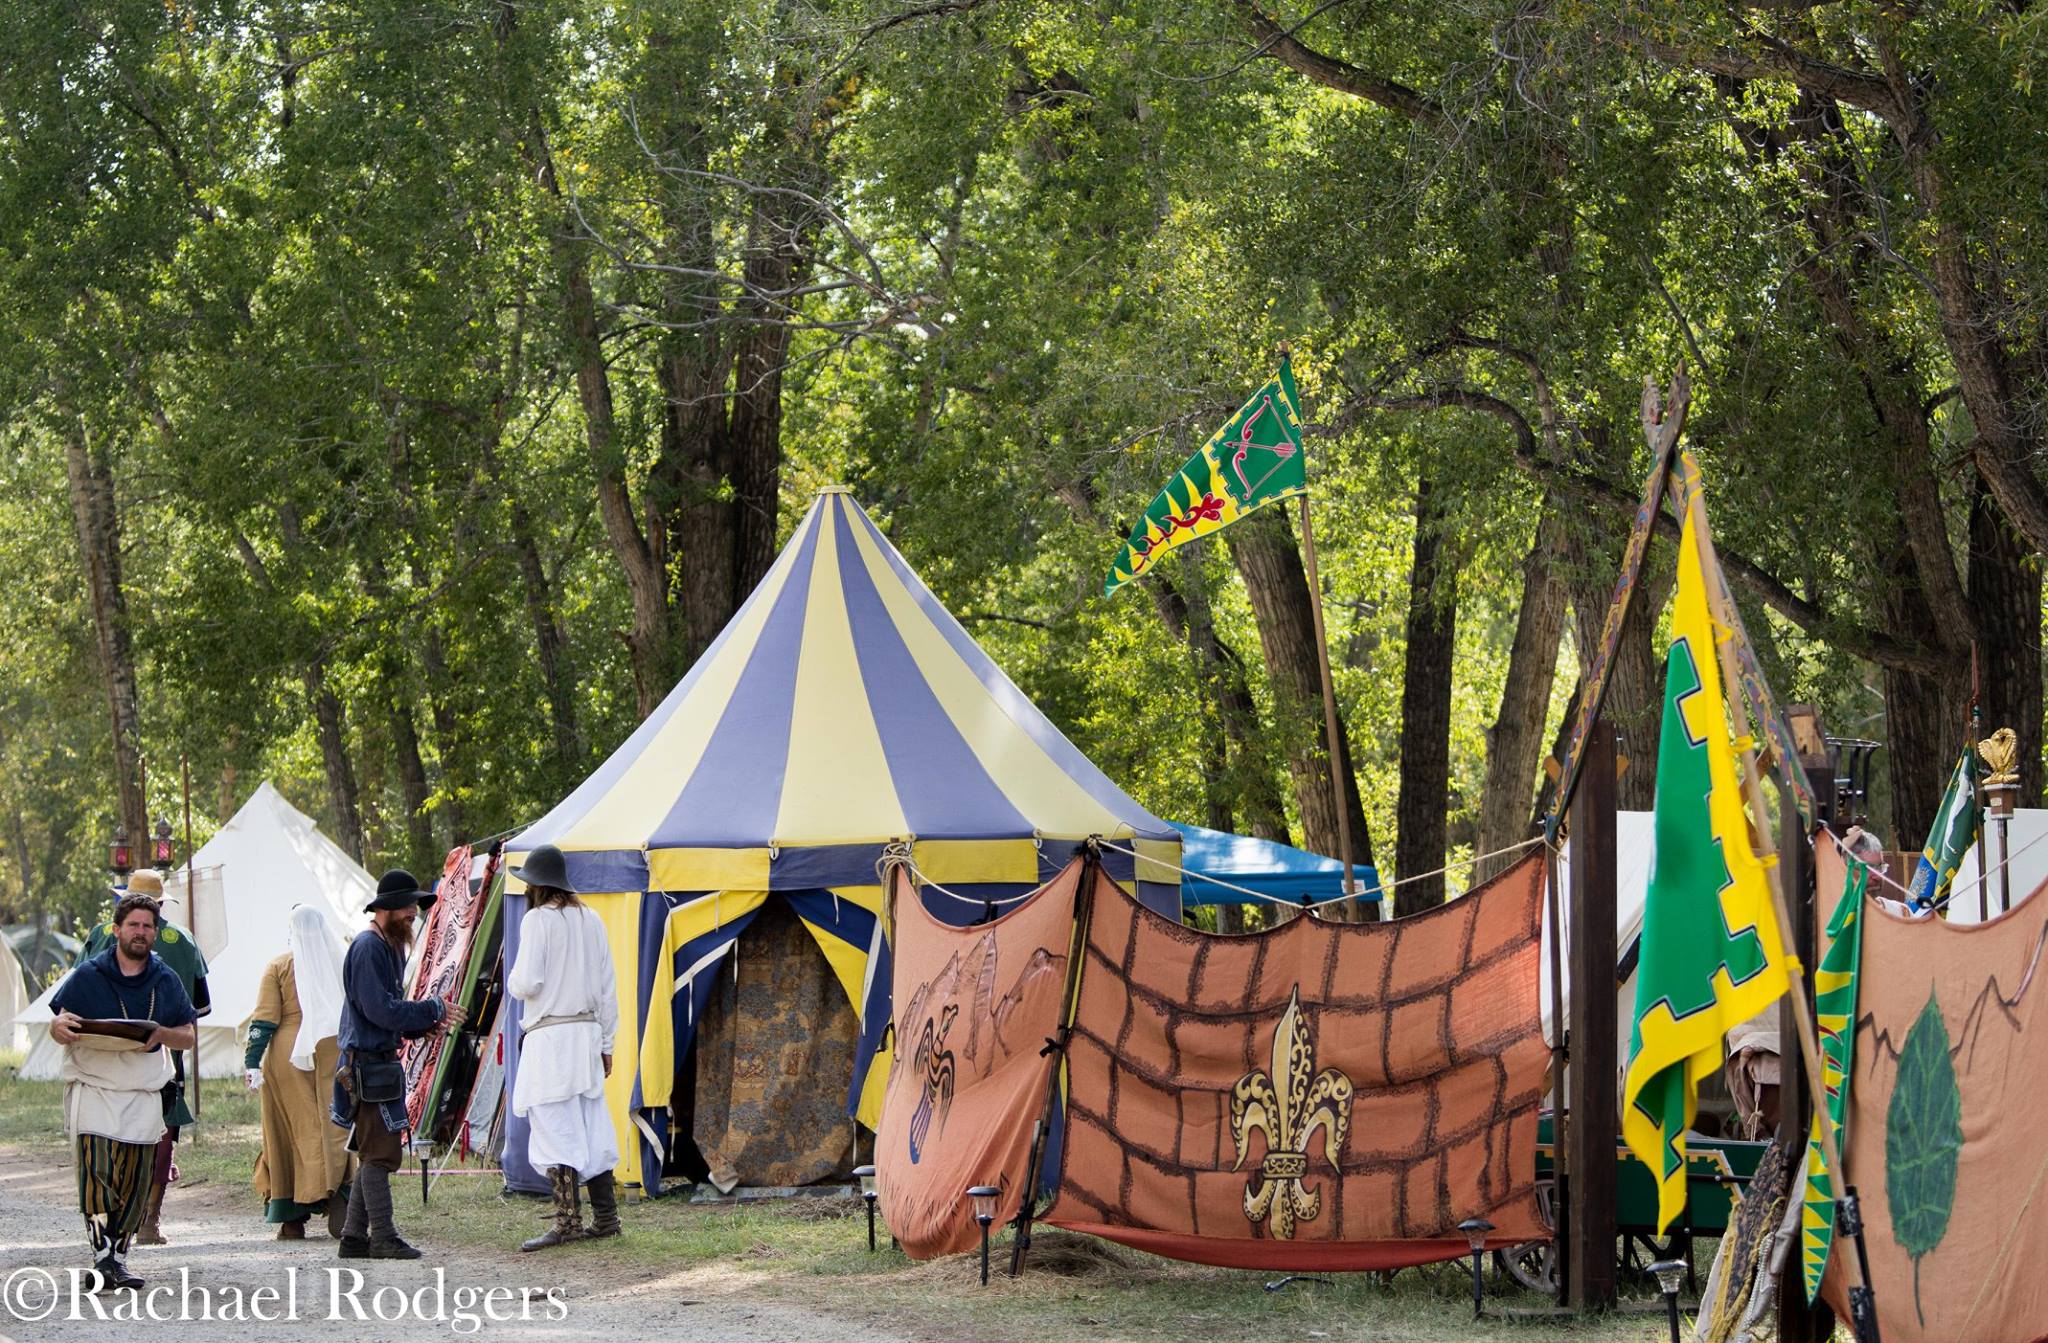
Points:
x=546, y=1022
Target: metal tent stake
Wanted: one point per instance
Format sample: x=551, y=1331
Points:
x=1862, y=1305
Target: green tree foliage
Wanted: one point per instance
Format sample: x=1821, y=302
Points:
x=452, y=367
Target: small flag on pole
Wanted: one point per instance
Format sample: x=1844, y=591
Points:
x=1712, y=957
x=1956, y=823
x=1254, y=459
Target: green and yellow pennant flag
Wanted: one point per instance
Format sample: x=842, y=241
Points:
x=1251, y=461
x=1955, y=828
x=1711, y=954
x=1834, y=1015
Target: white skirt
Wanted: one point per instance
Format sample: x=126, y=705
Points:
x=574, y=1132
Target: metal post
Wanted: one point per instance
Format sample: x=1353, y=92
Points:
x=2005, y=862
x=1595, y=1129
x=1977, y=735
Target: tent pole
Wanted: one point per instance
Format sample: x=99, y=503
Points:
x=191, y=912
x=1977, y=735
x=1077, y=954
x=1330, y=729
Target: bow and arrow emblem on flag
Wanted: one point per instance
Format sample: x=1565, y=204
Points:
x=1287, y=1105
x=1283, y=451
x=1224, y=480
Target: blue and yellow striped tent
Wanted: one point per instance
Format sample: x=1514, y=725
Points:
x=843, y=710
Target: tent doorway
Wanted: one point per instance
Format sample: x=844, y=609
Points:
x=772, y=1053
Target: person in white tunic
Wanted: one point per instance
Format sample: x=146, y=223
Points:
x=569, y=1017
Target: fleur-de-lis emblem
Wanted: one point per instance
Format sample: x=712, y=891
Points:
x=1287, y=1105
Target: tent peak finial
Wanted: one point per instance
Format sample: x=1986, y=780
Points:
x=834, y=489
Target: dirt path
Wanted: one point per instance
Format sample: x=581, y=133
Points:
x=221, y=1257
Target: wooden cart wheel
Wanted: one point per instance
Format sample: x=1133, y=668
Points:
x=1532, y=1265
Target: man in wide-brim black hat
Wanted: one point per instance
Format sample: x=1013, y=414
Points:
x=569, y=1017
x=369, y=1091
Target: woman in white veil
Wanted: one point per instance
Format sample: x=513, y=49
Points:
x=304, y=1167
x=316, y=946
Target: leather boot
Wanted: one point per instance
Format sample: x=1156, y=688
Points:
x=114, y=1273
x=604, y=1207
x=152, y=1213
x=568, y=1211
x=291, y=1230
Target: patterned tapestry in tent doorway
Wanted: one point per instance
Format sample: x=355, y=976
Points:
x=774, y=1048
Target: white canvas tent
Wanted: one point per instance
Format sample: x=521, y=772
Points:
x=2027, y=836
x=13, y=999
x=270, y=857
x=1635, y=842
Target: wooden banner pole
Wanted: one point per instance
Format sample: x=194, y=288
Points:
x=1331, y=733
x=1056, y=1051
x=1593, y=1104
x=1560, y=1208
x=1752, y=791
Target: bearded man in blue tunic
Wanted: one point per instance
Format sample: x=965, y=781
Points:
x=117, y=1014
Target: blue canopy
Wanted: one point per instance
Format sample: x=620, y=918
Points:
x=1277, y=870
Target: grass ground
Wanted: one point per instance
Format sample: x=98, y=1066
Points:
x=813, y=1252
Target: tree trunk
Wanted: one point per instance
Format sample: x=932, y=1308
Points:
x=1174, y=613
x=722, y=448
x=412, y=780
x=1926, y=716
x=647, y=641
x=550, y=646
x=1184, y=609
x=90, y=479
x=1634, y=703
x=228, y=801
x=1552, y=765
x=405, y=738
x=1264, y=550
x=341, y=778
x=447, y=715
x=1240, y=780
x=2005, y=592
x=550, y=641
x=1422, y=820
x=1516, y=740
x=2007, y=441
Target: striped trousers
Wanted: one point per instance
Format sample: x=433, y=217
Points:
x=113, y=1189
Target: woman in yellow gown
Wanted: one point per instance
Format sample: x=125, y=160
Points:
x=304, y=1167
